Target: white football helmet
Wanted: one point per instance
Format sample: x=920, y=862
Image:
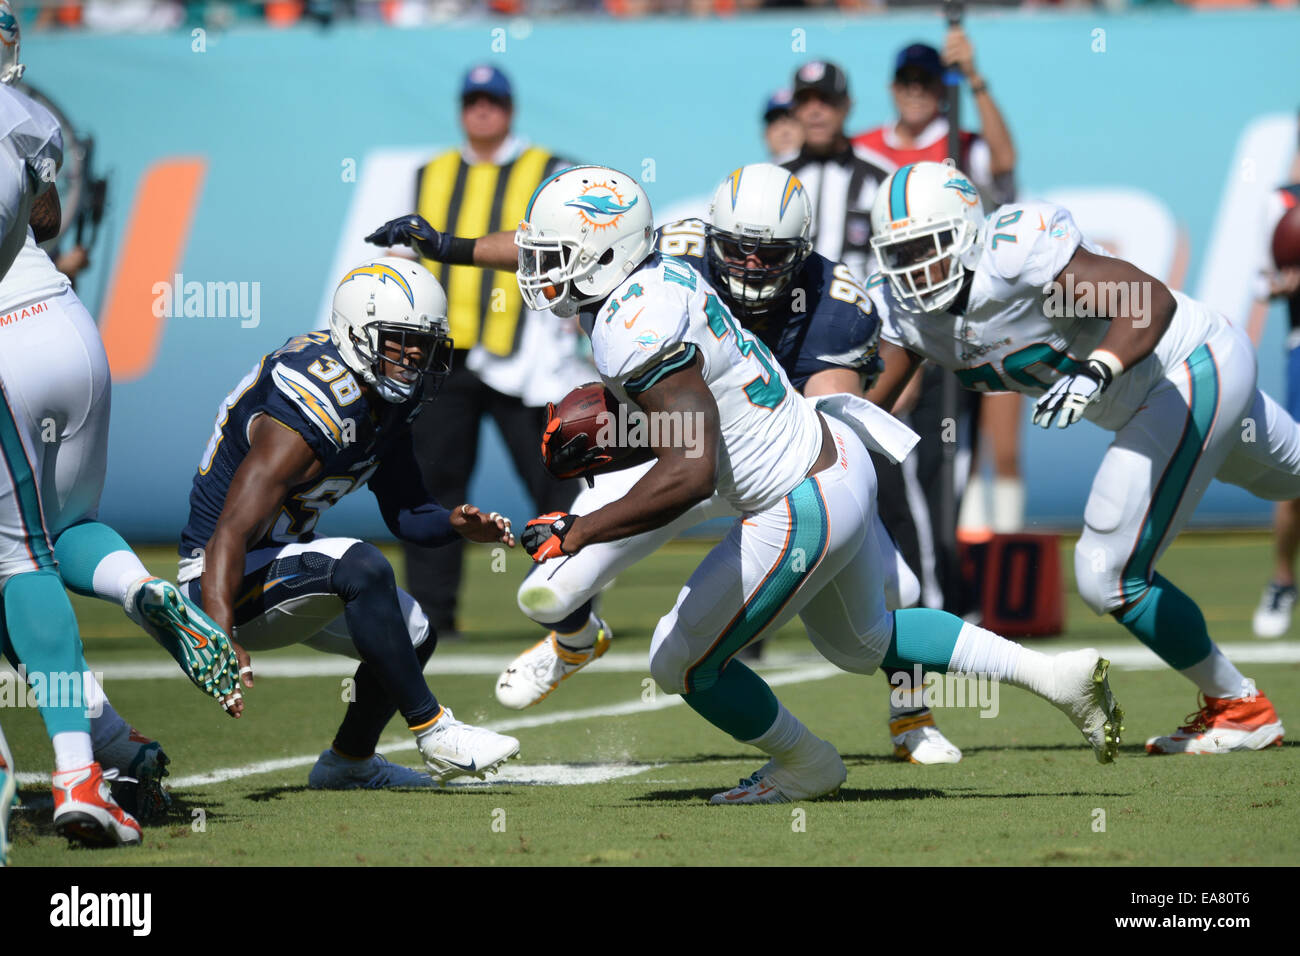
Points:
x=926, y=215
x=10, y=69
x=394, y=303
x=584, y=231
x=759, y=222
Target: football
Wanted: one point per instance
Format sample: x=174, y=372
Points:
x=583, y=430
x=1286, y=240
x=586, y=411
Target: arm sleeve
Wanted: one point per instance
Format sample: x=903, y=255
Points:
x=409, y=511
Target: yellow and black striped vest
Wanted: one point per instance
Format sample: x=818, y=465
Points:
x=472, y=200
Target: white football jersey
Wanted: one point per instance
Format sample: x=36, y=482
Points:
x=31, y=152
x=656, y=322
x=32, y=277
x=1020, y=331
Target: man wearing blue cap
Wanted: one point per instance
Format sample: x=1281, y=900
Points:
x=478, y=188
x=781, y=131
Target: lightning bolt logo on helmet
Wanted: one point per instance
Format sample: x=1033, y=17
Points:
x=383, y=273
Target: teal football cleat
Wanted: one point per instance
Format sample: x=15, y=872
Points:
x=336, y=772
x=201, y=648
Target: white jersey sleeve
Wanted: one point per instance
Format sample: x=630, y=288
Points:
x=1026, y=245
x=642, y=333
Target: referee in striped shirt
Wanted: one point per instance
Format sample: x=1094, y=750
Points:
x=478, y=188
x=840, y=179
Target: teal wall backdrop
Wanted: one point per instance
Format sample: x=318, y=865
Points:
x=1154, y=102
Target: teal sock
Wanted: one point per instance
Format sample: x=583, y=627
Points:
x=739, y=703
x=81, y=550
x=923, y=636
x=43, y=635
x=1169, y=622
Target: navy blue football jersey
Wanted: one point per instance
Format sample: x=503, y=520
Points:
x=823, y=320
x=305, y=386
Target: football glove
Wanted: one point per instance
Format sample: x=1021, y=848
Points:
x=572, y=458
x=1070, y=395
x=415, y=232
x=543, y=537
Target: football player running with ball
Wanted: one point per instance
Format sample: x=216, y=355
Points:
x=1021, y=301
x=817, y=322
x=809, y=542
x=322, y=415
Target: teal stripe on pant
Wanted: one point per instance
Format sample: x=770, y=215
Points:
x=803, y=551
x=1203, y=405
x=23, y=478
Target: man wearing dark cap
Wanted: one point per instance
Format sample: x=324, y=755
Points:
x=841, y=180
x=921, y=131
x=781, y=131
x=503, y=365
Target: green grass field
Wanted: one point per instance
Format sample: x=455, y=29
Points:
x=1028, y=791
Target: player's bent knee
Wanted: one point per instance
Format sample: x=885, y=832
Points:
x=1096, y=573
x=545, y=603
x=361, y=570
x=669, y=656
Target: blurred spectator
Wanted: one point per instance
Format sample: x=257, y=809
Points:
x=781, y=131
x=841, y=181
x=921, y=130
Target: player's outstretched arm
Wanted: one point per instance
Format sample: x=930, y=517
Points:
x=682, y=476
x=278, y=459
x=1142, y=315
x=900, y=365
x=493, y=251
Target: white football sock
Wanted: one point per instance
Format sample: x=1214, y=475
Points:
x=1216, y=676
x=787, y=740
x=115, y=574
x=1008, y=505
x=72, y=750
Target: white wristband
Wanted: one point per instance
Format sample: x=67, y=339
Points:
x=1109, y=360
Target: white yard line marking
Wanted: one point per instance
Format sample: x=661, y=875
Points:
x=1127, y=656
x=809, y=672
x=802, y=667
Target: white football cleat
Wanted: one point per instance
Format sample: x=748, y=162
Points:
x=1081, y=690
x=1273, y=616
x=1224, y=725
x=453, y=749
x=535, y=673
x=917, y=740
x=84, y=810
x=336, y=772
x=775, y=783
